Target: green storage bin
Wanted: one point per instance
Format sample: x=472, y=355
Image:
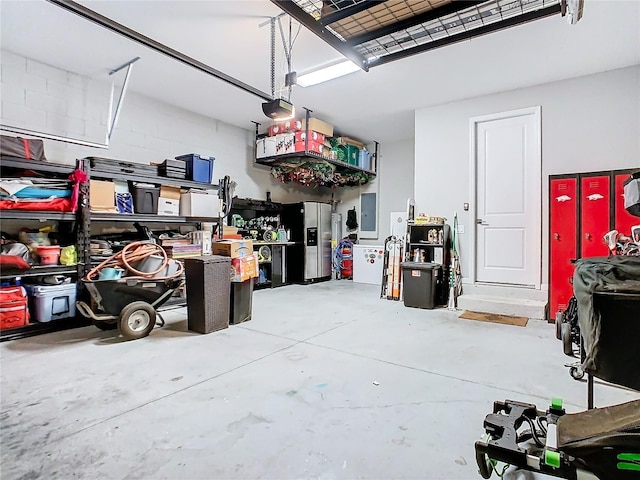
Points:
x=350, y=154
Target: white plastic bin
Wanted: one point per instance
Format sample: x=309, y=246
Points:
x=52, y=302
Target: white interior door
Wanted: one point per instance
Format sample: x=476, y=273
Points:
x=506, y=160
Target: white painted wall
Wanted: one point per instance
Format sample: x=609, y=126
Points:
x=394, y=185
x=589, y=123
x=39, y=97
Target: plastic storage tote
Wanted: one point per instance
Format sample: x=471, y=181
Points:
x=52, y=302
x=419, y=281
x=199, y=169
x=145, y=199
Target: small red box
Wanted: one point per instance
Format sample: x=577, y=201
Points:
x=292, y=125
x=315, y=147
x=14, y=311
x=313, y=136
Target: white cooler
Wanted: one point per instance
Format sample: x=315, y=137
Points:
x=367, y=264
x=52, y=302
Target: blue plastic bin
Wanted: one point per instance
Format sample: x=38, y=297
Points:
x=364, y=160
x=199, y=169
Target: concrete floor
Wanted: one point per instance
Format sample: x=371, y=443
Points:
x=326, y=382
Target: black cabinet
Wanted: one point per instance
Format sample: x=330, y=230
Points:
x=431, y=243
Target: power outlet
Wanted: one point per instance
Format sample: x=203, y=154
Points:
x=460, y=228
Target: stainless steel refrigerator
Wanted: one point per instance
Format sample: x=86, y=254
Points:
x=310, y=226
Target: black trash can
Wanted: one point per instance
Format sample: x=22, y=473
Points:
x=241, y=301
x=419, y=281
x=208, y=291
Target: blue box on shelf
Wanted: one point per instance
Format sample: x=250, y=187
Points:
x=364, y=160
x=199, y=169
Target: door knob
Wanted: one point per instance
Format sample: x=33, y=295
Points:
x=479, y=221
x=556, y=236
x=587, y=236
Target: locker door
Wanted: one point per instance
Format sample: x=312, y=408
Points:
x=594, y=215
x=563, y=209
x=623, y=220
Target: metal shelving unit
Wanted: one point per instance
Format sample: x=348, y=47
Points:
x=278, y=159
x=40, y=216
x=309, y=156
x=37, y=165
x=148, y=217
x=39, y=270
x=16, y=165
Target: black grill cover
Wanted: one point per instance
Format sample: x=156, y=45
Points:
x=608, y=294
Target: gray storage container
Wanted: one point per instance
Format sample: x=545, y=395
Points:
x=419, y=282
x=52, y=302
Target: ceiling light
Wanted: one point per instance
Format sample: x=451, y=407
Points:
x=324, y=74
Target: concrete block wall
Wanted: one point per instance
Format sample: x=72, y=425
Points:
x=44, y=98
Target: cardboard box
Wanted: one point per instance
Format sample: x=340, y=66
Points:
x=318, y=126
x=242, y=269
x=233, y=248
x=102, y=196
x=284, y=143
x=169, y=191
x=266, y=147
x=168, y=206
x=296, y=125
x=312, y=147
x=313, y=136
x=350, y=141
x=198, y=203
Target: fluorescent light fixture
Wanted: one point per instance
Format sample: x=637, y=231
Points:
x=324, y=74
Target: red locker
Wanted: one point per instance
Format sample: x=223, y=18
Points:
x=623, y=220
x=563, y=211
x=593, y=205
x=595, y=218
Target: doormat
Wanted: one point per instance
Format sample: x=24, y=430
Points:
x=495, y=318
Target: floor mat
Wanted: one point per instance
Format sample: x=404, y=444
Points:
x=495, y=318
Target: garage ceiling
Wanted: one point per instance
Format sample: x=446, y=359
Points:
x=378, y=104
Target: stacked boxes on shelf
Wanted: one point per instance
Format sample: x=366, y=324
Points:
x=289, y=137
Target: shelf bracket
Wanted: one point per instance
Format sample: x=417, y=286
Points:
x=113, y=121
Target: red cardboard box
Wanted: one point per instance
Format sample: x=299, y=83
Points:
x=313, y=136
x=315, y=147
x=244, y=268
x=295, y=125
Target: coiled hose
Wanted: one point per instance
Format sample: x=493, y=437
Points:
x=132, y=253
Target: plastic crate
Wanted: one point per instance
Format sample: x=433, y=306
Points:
x=52, y=302
x=199, y=169
x=145, y=199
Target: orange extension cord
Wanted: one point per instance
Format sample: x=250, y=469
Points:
x=132, y=253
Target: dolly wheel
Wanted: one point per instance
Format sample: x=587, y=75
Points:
x=576, y=373
x=137, y=320
x=567, y=346
x=105, y=325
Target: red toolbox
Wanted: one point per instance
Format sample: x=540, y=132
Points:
x=14, y=311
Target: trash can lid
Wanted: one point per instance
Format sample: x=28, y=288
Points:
x=420, y=265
